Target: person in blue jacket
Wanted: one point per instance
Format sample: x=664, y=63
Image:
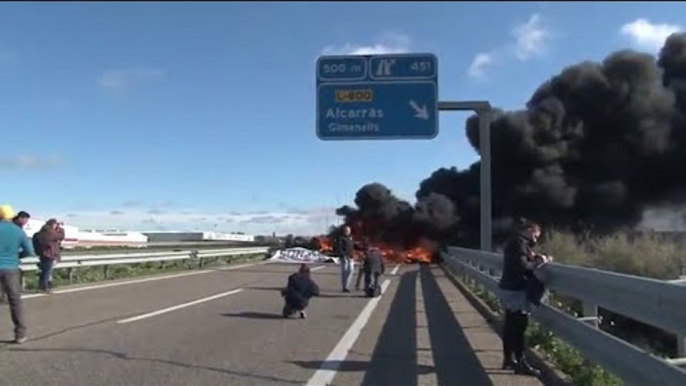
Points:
x=13, y=243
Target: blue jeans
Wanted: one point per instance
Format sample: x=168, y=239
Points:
x=347, y=269
x=371, y=280
x=46, y=266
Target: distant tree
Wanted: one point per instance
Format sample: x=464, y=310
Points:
x=290, y=241
x=315, y=244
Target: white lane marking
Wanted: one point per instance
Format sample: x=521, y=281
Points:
x=240, y=266
x=425, y=358
x=30, y=296
x=395, y=270
x=145, y=280
x=318, y=268
x=178, y=307
x=327, y=372
x=109, y=285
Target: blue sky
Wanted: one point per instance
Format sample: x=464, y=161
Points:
x=187, y=115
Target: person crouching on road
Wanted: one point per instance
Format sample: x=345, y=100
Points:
x=373, y=267
x=518, y=267
x=47, y=243
x=13, y=242
x=298, y=292
x=346, y=250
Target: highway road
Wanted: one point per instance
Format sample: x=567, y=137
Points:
x=223, y=326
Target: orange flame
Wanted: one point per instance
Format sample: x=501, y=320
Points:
x=422, y=253
x=325, y=244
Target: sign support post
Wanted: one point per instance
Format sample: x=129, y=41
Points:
x=377, y=97
x=483, y=110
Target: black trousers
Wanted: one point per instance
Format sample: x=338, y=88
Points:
x=514, y=339
x=10, y=281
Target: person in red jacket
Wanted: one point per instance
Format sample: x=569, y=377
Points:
x=48, y=245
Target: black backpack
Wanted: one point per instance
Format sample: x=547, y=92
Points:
x=38, y=245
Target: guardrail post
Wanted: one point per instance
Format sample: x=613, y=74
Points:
x=591, y=311
x=70, y=273
x=104, y=271
x=22, y=280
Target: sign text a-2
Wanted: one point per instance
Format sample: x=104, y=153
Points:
x=377, y=97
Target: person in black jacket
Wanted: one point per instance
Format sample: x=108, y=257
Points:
x=373, y=267
x=345, y=249
x=298, y=292
x=519, y=262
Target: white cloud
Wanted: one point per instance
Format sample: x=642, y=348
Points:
x=386, y=44
x=481, y=61
x=647, y=35
x=22, y=162
x=530, y=38
x=118, y=80
x=308, y=222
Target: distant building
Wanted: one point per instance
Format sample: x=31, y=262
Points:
x=74, y=237
x=182, y=236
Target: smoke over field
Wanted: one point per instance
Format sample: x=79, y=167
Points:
x=595, y=147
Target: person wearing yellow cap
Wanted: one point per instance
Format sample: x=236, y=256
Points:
x=6, y=212
x=13, y=242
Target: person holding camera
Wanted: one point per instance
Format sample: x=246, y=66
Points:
x=518, y=287
x=48, y=245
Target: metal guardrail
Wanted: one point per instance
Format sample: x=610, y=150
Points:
x=655, y=302
x=106, y=260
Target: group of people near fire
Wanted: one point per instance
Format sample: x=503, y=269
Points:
x=300, y=287
x=519, y=287
x=14, y=246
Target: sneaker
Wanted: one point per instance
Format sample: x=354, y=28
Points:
x=20, y=338
x=345, y=290
x=523, y=368
x=509, y=364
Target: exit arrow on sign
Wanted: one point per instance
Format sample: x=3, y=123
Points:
x=420, y=112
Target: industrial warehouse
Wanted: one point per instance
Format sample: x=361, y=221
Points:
x=88, y=238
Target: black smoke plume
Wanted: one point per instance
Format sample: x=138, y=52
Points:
x=594, y=148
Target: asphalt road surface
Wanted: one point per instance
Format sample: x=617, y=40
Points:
x=223, y=327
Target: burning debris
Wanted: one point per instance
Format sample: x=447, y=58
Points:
x=423, y=253
x=595, y=147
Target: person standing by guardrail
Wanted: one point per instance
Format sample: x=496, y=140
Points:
x=47, y=243
x=13, y=242
x=518, y=267
x=345, y=248
x=20, y=220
